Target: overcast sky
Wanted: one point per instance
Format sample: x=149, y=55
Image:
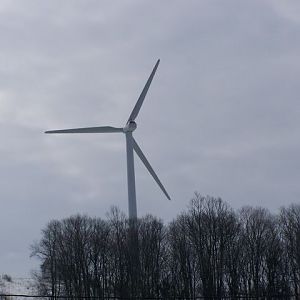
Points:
x=221, y=116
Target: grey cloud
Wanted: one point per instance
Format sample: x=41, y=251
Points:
x=221, y=116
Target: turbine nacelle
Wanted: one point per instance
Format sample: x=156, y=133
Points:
x=130, y=127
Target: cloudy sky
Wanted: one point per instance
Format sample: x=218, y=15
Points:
x=221, y=116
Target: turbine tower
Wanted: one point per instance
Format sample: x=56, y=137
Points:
x=131, y=145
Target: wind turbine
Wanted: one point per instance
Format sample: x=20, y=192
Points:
x=131, y=145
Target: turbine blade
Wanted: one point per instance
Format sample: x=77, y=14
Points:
x=143, y=158
x=101, y=129
x=140, y=101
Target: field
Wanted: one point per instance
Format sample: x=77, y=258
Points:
x=16, y=286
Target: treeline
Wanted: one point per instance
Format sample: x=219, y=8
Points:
x=208, y=251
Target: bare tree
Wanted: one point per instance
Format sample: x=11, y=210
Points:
x=263, y=253
x=119, y=277
x=181, y=260
x=151, y=251
x=212, y=228
x=208, y=251
x=290, y=233
x=47, y=251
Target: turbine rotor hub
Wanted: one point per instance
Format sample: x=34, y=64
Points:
x=130, y=126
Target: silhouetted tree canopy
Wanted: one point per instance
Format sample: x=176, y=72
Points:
x=208, y=251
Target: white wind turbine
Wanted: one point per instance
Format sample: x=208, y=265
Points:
x=131, y=145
